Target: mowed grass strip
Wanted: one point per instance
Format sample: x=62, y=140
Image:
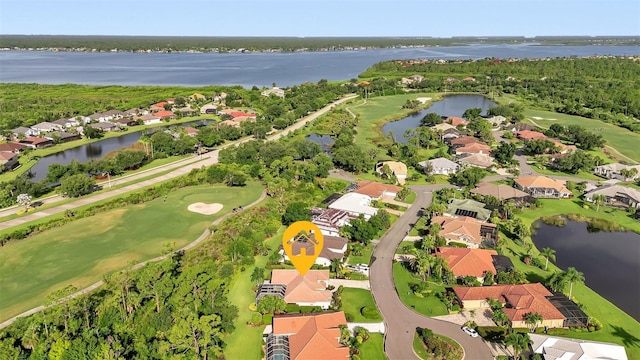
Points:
x=623, y=140
x=81, y=252
x=354, y=300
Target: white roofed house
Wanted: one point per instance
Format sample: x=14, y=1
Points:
x=553, y=348
x=67, y=123
x=616, y=195
x=274, y=91
x=209, y=109
x=441, y=166
x=45, y=127
x=613, y=171
x=22, y=131
x=355, y=204
x=329, y=221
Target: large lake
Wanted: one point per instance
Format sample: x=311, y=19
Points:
x=261, y=69
x=610, y=261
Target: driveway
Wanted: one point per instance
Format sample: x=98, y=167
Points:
x=401, y=321
x=358, y=284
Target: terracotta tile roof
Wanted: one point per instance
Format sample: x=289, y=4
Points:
x=501, y=191
x=160, y=104
x=541, y=182
x=191, y=130
x=236, y=114
x=468, y=262
x=465, y=140
x=11, y=147
x=520, y=299
x=375, y=189
x=479, y=160
x=165, y=113
x=475, y=148
x=34, y=140
x=530, y=135
x=6, y=156
x=313, y=336
x=311, y=288
x=461, y=228
x=455, y=121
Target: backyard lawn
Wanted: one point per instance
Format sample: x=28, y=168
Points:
x=353, y=303
x=430, y=305
x=373, y=349
x=81, y=252
x=619, y=138
x=245, y=341
x=365, y=258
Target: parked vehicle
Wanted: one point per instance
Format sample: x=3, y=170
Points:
x=469, y=331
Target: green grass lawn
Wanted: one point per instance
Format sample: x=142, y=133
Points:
x=81, y=252
x=411, y=244
x=373, y=349
x=245, y=341
x=619, y=138
x=410, y=198
x=377, y=111
x=618, y=326
x=422, y=352
x=429, y=306
x=353, y=300
x=419, y=348
x=364, y=258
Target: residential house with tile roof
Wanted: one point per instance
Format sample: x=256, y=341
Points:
x=456, y=121
x=377, y=190
x=463, y=141
x=330, y=221
x=612, y=171
x=307, y=290
x=165, y=115
x=616, y=195
x=475, y=148
x=12, y=147
x=468, y=262
x=501, y=192
x=158, y=106
x=8, y=161
x=398, y=169
x=530, y=135
x=542, y=187
x=307, y=337
x=150, y=119
x=519, y=300
x=441, y=166
x=466, y=230
x=66, y=123
x=481, y=160
x=443, y=127
x=36, y=142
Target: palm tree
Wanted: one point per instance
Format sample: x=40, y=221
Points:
x=573, y=275
x=598, y=199
x=519, y=342
x=532, y=319
x=548, y=253
x=336, y=266
x=557, y=281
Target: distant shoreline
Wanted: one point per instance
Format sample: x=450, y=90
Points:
x=198, y=45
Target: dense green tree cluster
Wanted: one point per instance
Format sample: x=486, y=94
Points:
x=577, y=161
x=364, y=231
x=468, y=177
x=578, y=135
x=602, y=89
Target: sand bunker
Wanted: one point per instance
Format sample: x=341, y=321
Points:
x=423, y=99
x=205, y=209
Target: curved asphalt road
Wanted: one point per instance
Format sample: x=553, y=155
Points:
x=400, y=321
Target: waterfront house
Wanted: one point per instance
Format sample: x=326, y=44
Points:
x=616, y=195
x=22, y=131
x=443, y=127
x=274, y=91
x=45, y=127
x=8, y=161
x=468, y=262
x=61, y=136
x=519, y=300
x=191, y=131
x=542, y=187
x=36, y=142
x=105, y=126
x=150, y=119
x=67, y=123
x=165, y=115
x=106, y=116
x=126, y=122
x=307, y=336
x=496, y=120
x=554, y=348
x=12, y=147
x=456, y=121
x=209, y=109
x=501, y=192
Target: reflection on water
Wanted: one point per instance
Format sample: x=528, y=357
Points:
x=609, y=260
x=453, y=105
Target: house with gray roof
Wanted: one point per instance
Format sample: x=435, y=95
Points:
x=501, y=192
x=104, y=126
x=469, y=208
x=45, y=127
x=553, y=348
x=66, y=123
x=441, y=166
x=612, y=171
x=22, y=131
x=616, y=195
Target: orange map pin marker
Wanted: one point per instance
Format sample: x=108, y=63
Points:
x=302, y=241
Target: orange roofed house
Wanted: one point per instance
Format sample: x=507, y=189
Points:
x=468, y=262
x=455, y=121
x=542, y=187
x=310, y=290
x=530, y=135
x=309, y=336
x=519, y=300
x=466, y=230
x=377, y=190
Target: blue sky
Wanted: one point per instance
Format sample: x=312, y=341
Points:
x=437, y=18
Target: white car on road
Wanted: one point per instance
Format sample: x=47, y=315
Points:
x=469, y=331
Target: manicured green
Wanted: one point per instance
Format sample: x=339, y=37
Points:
x=419, y=348
x=430, y=305
x=410, y=198
x=618, y=326
x=623, y=140
x=375, y=112
x=81, y=252
x=244, y=342
x=354, y=300
x=365, y=258
x=373, y=349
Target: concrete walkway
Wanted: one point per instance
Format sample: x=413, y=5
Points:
x=357, y=284
x=372, y=327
